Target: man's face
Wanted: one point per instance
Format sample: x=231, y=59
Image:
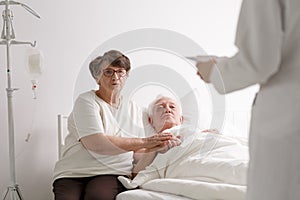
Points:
x=166, y=114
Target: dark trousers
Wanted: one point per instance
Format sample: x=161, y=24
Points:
x=102, y=187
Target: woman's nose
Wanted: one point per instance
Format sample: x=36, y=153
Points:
x=115, y=76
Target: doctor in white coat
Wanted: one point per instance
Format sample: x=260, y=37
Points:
x=268, y=38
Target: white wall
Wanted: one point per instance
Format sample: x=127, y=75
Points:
x=67, y=34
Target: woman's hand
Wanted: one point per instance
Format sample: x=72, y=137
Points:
x=156, y=140
x=171, y=143
x=163, y=148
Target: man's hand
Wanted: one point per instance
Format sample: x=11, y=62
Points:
x=213, y=130
x=171, y=143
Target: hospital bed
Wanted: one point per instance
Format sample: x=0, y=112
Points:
x=178, y=189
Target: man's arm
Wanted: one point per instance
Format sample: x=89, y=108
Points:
x=145, y=160
x=149, y=154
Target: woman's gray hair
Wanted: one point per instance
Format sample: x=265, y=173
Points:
x=158, y=97
x=113, y=57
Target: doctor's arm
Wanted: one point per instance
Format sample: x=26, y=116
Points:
x=259, y=41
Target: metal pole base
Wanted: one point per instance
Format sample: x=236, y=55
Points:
x=15, y=193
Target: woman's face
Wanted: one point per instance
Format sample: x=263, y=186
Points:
x=112, y=79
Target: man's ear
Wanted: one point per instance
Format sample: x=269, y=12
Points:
x=181, y=119
x=150, y=121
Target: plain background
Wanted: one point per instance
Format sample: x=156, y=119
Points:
x=67, y=34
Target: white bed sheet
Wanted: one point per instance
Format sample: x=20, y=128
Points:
x=142, y=194
x=169, y=188
x=205, y=166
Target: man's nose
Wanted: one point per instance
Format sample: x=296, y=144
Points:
x=168, y=109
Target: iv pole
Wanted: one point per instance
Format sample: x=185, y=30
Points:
x=8, y=36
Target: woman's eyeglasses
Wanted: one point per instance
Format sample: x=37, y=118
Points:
x=111, y=72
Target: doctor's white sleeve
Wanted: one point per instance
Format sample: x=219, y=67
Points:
x=259, y=40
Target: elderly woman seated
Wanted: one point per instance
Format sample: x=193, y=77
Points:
x=192, y=154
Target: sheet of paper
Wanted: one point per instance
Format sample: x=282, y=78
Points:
x=200, y=58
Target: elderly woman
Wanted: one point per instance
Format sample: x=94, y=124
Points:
x=103, y=134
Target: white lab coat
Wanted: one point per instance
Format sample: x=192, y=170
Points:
x=268, y=38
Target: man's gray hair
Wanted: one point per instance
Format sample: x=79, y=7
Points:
x=158, y=97
x=112, y=57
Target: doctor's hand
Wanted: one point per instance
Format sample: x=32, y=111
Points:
x=205, y=68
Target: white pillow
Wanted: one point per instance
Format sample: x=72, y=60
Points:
x=148, y=128
x=196, y=109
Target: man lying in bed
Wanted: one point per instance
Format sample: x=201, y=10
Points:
x=199, y=156
x=218, y=160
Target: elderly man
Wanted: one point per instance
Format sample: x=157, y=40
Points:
x=163, y=114
x=192, y=154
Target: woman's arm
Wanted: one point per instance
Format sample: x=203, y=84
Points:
x=113, y=145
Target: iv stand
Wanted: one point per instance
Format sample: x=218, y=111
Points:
x=8, y=36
